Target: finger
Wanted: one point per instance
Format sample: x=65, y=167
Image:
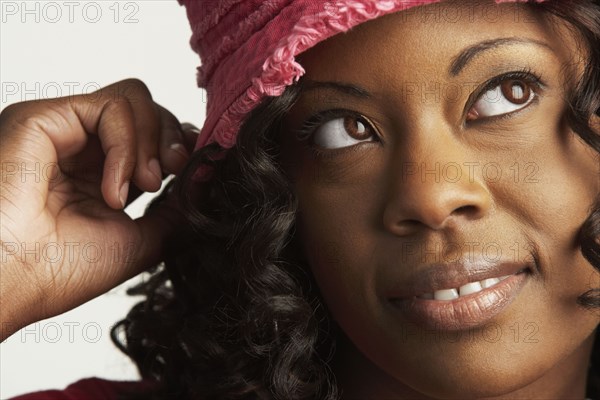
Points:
x=59, y=123
x=68, y=121
x=157, y=226
x=147, y=175
x=110, y=119
x=116, y=130
x=173, y=153
x=190, y=136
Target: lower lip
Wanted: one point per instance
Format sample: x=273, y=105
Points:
x=469, y=311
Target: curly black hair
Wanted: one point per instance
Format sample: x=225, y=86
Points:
x=233, y=311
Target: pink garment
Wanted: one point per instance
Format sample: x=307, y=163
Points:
x=247, y=49
x=89, y=389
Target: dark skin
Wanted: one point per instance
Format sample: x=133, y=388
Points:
x=95, y=153
x=359, y=207
x=357, y=210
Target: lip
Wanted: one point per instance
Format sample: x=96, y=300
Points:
x=453, y=275
x=468, y=311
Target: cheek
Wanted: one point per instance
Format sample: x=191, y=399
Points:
x=567, y=185
x=552, y=197
x=547, y=193
x=572, y=190
x=336, y=230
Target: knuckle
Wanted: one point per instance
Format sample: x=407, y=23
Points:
x=18, y=111
x=119, y=108
x=11, y=110
x=134, y=89
x=117, y=114
x=117, y=104
x=7, y=114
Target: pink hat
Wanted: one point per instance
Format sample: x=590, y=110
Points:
x=247, y=49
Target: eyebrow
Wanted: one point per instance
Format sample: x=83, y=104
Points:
x=458, y=64
x=346, y=88
x=460, y=61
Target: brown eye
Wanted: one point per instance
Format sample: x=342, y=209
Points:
x=343, y=131
x=355, y=128
x=515, y=91
x=510, y=95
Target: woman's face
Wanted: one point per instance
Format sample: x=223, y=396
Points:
x=448, y=162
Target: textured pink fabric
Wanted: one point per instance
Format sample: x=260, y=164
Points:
x=248, y=50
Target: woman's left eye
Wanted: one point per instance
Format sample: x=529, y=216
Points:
x=508, y=96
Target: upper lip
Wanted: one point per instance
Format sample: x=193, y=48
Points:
x=433, y=277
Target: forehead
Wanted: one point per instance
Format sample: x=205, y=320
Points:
x=422, y=41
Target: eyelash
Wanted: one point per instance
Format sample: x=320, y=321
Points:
x=305, y=133
x=526, y=75
x=308, y=128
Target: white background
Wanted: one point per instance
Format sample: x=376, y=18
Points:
x=58, y=48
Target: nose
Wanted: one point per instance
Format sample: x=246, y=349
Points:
x=432, y=184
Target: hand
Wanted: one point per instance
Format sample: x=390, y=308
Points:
x=69, y=166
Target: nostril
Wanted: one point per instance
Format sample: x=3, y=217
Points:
x=407, y=227
x=466, y=210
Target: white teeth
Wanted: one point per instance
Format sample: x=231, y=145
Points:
x=445, y=294
x=486, y=283
x=469, y=288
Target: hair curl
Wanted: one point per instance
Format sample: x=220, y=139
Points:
x=232, y=313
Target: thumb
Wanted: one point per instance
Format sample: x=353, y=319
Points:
x=158, y=227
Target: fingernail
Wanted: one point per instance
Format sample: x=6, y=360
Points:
x=123, y=193
x=154, y=167
x=179, y=149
